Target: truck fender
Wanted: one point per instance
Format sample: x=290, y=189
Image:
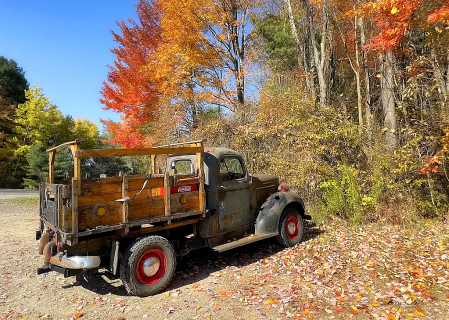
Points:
x=270, y=212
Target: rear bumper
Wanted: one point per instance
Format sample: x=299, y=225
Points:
x=75, y=262
x=70, y=266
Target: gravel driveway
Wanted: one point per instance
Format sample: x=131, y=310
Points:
x=7, y=194
x=340, y=271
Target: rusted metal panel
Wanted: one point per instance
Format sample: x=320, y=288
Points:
x=244, y=241
x=264, y=185
x=268, y=219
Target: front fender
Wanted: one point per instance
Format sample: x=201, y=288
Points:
x=268, y=219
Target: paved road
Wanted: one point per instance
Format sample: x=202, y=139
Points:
x=17, y=193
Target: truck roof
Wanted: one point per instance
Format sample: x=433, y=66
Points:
x=217, y=152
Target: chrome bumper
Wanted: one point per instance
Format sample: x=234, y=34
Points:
x=75, y=262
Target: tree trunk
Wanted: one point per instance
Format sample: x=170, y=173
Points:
x=442, y=82
x=387, y=97
x=320, y=59
x=368, y=115
x=300, y=49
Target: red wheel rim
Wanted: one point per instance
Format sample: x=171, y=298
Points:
x=151, y=266
x=292, y=227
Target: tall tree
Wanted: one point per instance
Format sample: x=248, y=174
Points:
x=322, y=50
x=12, y=92
x=177, y=60
x=132, y=88
x=207, y=42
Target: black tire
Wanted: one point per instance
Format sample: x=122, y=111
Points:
x=289, y=217
x=154, y=249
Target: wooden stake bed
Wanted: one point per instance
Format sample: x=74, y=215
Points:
x=85, y=207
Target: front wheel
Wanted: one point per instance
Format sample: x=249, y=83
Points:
x=290, y=228
x=148, y=266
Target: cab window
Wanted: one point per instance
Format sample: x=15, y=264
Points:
x=231, y=168
x=184, y=166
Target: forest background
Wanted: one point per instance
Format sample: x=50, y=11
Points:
x=346, y=101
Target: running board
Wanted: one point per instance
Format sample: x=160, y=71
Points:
x=244, y=241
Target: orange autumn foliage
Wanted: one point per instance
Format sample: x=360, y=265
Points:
x=393, y=19
x=176, y=59
x=128, y=90
x=440, y=15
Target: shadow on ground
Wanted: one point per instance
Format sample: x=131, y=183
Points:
x=197, y=265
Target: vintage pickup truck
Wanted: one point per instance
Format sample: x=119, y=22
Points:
x=136, y=225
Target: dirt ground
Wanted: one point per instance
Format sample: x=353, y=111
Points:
x=337, y=272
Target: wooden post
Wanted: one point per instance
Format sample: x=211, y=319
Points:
x=74, y=211
x=51, y=167
x=167, y=194
x=125, y=203
x=153, y=164
x=202, y=195
x=77, y=164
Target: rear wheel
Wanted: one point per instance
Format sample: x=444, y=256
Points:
x=290, y=228
x=148, y=266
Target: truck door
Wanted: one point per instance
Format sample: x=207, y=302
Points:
x=233, y=194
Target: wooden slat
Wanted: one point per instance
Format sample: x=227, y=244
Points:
x=137, y=152
x=125, y=203
x=88, y=217
x=151, y=183
x=192, y=202
x=77, y=165
x=51, y=169
x=158, y=228
x=167, y=193
x=67, y=219
x=146, y=207
x=75, y=211
x=101, y=188
x=95, y=199
x=153, y=164
x=67, y=237
x=77, y=141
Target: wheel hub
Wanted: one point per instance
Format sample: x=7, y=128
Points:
x=291, y=227
x=151, y=266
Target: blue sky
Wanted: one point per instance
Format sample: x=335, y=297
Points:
x=63, y=46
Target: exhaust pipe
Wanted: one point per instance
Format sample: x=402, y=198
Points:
x=50, y=250
x=45, y=238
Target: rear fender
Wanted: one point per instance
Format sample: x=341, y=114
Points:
x=268, y=219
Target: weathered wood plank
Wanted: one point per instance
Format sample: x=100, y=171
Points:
x=151, y=183
x=77, y=165
x=75, y=212
x=192, y=202
x=67, y=219
x=137, y=152
x=146, y=208
x=88, y=217
x=125, y=203
x=167, y=194
x=101, y=188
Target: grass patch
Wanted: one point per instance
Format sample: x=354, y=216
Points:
x=26, y=201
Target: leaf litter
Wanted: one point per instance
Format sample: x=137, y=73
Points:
x=338, y=272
